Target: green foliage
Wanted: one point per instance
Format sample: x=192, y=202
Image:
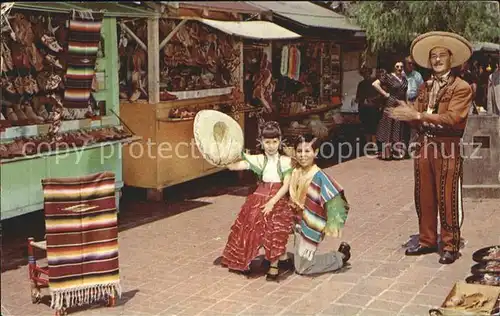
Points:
x=392, y=25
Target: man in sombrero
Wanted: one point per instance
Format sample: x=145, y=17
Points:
x=439, y=115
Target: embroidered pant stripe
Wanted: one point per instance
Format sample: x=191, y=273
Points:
x=460, y=206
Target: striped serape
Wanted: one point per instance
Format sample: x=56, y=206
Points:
x=324, y=208
x=82, y=239
x=83, y=44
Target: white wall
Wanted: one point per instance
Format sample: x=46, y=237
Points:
x=350, y=82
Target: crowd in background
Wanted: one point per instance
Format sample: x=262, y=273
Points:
x=381, y=88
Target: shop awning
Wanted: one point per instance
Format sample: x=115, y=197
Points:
x=486, y=46
x=110, y=9
x=229, y=6
x=307, y=14
x=264, y=30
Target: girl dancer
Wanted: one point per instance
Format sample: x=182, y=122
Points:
x=265, y=219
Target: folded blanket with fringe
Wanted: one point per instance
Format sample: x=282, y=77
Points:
x=82, y=239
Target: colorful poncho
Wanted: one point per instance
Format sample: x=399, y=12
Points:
x=321, y=199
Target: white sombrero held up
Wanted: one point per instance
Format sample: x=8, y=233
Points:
x=460, y=48
x=218, y=136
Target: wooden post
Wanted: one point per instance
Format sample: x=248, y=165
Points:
x=153, y=61
x=242, y=66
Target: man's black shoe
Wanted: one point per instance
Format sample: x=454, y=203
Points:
x=448, y=257
x=420, y=250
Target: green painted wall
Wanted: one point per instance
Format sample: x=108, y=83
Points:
x=21, y=190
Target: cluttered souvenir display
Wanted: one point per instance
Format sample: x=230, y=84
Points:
x=196, y=61
x=133, y=63
x=309, y=89
x=46, y=73
x=36, y=145
x=310, y=77
x=480, y=293
x=229, y=104
x=47, y=77
x=259, y=84
x=330, y=72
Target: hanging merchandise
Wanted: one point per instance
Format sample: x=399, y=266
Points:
x=292, y=61
x=296, y=74
x=284, y=61
x=83, y=45
x=56, y=116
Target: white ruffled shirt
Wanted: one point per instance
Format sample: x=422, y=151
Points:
x=270, y=172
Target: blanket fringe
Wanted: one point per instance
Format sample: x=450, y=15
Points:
x=84, y=14
x=84, y=295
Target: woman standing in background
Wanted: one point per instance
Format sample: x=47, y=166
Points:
x=391, y=132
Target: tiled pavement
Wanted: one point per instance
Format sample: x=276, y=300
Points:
x=167, y=252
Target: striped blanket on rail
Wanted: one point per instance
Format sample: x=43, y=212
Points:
x=83, y=44
x=82, y=239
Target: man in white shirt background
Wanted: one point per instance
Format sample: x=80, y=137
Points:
x=414, y=79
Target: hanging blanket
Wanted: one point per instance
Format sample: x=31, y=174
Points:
x=82, y=239
x=83, y=44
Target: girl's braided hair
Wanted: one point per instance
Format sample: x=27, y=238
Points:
x=270, y=129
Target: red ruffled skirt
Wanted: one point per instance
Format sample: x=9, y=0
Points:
x=252, y=229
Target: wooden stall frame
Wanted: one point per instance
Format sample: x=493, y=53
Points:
x=159, y=108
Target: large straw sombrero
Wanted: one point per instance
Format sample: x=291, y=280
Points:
x=218, y=136
x=421, y=46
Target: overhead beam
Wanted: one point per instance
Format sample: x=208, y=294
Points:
x=169, y=36
x=131, y=33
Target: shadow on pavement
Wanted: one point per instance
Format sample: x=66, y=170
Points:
x=259, y=268
x=15, y=231
x=413, y=241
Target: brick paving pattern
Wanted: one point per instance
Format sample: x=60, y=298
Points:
x=167, y=253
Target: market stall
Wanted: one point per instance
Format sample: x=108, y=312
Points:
x=59, y=98
x=199, y=67
x=310, y=72
x=483, y=62
x=308, y=87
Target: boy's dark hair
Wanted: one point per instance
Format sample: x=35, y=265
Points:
x=307, y=138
